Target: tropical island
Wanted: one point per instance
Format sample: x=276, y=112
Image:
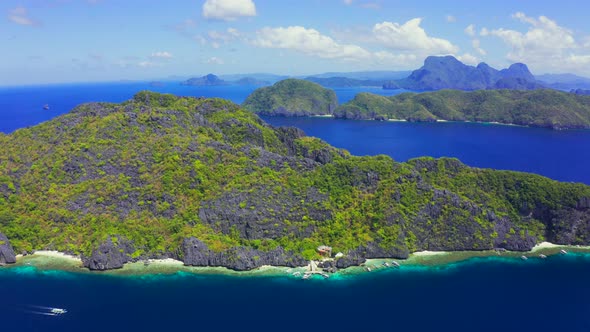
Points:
x=536, y=108
x=206, y=182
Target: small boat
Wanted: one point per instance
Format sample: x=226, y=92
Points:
x=368, y=269
x=563, y=252
x=542, y=256
x=58, y=311
x=385, y=264
x=394, y=263
x=325, y=275
x=524, y=258
x=306, y=276
x=297, y=274
x=46, y=106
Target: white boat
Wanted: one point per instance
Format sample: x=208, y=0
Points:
x=58, y=311
x=394, y=263
x=542, y=256
x=524, y=258
x=563, y=252
x=306, y=276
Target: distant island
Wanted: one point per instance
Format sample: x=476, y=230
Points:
x=537, y=108
x=437, y=73
x=208, y=183
x=214, y=80
x=207, y=80
x=446, y=72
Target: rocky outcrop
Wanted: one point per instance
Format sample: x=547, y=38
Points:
x=263, y=212
x=6, y=252
x=111, y=254
x=197, y=253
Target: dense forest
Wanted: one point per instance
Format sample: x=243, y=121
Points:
x=208, y=182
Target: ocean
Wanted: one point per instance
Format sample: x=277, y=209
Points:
x=481, y=294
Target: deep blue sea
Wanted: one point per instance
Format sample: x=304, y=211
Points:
x=479, y=295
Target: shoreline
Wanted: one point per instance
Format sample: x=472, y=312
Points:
x=487, y=123
x=44, y=260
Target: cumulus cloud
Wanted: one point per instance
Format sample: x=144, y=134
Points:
x=161, y=55
x=410, y=36
x=228, y=10
x=544, y=46
x=20, y=16
x=214, y=61
x=406, y=45
x=308, y=41
x=451, y=19
x=468, y=59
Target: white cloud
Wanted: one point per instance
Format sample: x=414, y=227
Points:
x=20, y=16
x=214, y=61
x=308, y=41
x=477, y=46
x=544, y=46
x=410, y=36
x=468, y=59
x=161, y=55
x=228, y=10
x=470, y=30
x=451, y=19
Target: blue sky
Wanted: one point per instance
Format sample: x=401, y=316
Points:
x=45, y=41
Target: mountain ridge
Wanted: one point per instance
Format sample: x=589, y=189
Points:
x=446, y=72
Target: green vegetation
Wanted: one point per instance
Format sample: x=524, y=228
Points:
x=539, y=108
x=157, y=169
x=292, y=97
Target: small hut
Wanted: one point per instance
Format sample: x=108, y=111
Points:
x=325, y=251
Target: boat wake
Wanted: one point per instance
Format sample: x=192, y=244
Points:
x=46, y=311
x=40, y=313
